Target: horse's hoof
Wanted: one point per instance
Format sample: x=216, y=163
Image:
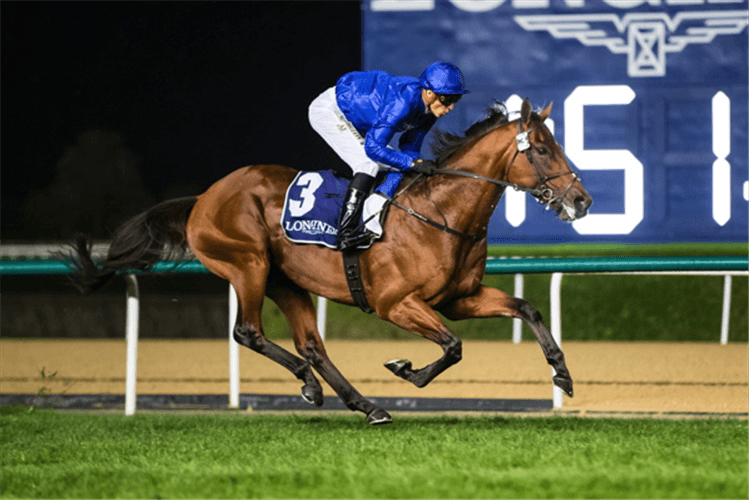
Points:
x=563, y=383
x=312, y=396
x=398, y=366
x=379, y=416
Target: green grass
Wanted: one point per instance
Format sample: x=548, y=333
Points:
x=45, y=454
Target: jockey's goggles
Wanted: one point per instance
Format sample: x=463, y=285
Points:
x=449, y=99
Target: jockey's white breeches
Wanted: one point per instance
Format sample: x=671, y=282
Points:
x=328, y=120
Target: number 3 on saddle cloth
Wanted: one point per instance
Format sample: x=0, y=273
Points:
x=313, y=204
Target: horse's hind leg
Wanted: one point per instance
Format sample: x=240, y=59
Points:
x=489, y=302
x=248, y=332
x=297, y=305
x=253, y=338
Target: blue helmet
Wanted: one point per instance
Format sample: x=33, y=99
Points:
x=443, y=78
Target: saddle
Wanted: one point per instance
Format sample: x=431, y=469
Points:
x=310, y=217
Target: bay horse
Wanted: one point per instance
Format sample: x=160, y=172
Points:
x=433, y=262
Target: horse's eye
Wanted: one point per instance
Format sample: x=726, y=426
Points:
x=543, y=150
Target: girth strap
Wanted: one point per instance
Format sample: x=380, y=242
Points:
x=353, y=278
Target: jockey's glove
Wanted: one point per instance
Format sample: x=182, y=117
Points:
x=421, y=166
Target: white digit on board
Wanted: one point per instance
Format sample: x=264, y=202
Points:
x=604, y=159
x=721, y=150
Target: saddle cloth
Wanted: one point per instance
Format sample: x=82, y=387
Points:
x=313, y=204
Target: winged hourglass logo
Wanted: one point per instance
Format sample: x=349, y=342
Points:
x=646, y=37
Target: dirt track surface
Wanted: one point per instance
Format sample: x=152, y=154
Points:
x=610, y=377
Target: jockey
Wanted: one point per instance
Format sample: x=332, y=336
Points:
x=363, y=112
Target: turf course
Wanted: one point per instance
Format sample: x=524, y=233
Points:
x=46, y=454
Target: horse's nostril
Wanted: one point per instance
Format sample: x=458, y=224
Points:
x=581, y=205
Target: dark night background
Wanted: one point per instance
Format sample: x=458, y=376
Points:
x=109, y=107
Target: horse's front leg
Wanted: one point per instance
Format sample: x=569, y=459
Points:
x=414, y=315
x=489, y=302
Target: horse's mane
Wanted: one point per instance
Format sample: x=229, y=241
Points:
x=444, y=144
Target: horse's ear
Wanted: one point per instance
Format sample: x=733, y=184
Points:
x=546, y=112
x=525, y=111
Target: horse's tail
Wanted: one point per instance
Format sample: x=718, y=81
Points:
x=157, y=234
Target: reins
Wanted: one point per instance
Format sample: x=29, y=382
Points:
x=533, y=191
x=442, y=227
x=411, y=211
x=544, y=194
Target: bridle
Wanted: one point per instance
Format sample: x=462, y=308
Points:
x=543, y=193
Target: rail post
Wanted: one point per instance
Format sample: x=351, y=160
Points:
x=233, y=351
x=322, y=315
x=517, y=324
x=725, y=317
x=132, y=321
x=556, y=329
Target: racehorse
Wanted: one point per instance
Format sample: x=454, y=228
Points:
x=431, y=258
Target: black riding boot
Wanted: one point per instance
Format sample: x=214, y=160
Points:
x=348, y=236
